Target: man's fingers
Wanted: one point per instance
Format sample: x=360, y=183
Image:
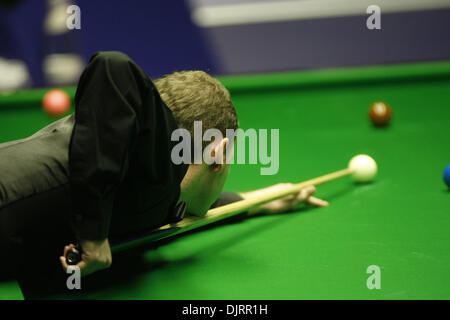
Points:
x=301, y=196
x=62, y=259
x=63, y=262
x=306, y=193
x=317, y=202
x=88, y=264
x=293, y=197
x=67, y=248
x=82, y=265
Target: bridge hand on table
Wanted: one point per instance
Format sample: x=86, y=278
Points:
x=284, y=204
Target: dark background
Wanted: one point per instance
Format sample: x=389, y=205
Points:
x=160, y=36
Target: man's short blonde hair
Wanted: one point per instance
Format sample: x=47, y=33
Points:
x=196, y=96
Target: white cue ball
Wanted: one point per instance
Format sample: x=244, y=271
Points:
x=364, y=168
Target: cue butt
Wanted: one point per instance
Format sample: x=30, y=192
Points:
x=73, y=256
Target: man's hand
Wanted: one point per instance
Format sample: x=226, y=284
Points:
x=96, y=256
x=286, y=203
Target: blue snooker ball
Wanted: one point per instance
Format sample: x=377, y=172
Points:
x=447, y=175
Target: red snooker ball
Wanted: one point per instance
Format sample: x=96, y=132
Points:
x=56, y=102
x=380, y=114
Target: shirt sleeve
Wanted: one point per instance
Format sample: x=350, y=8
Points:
x=108, y=105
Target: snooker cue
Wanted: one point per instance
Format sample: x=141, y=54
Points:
x=214, y=215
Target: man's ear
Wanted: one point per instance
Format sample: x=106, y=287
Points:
x=219, y=154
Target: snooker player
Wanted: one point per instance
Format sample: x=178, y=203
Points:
x=105, y=171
